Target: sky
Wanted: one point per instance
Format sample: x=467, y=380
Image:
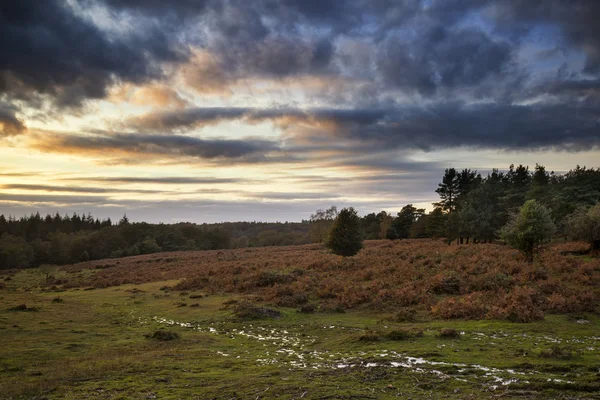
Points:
x=267, y=110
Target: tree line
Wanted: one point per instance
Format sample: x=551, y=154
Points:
x=471, y=207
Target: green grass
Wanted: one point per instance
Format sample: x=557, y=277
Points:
x=94, y=344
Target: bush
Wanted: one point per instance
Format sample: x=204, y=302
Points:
x=246, y=310
x=270, y=278
x=405, y=314
x=23, y=307
x=165, y=336
x=584, y=224
x=369, y=337
x=345, y=237
x=521, y=305
x=403, y=335
x=449, y=333
x=307, y=309
x=529, y=229
x=471, y=306
x=557, y=352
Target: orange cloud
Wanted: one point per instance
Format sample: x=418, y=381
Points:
x=149, y=95
x=204, y=75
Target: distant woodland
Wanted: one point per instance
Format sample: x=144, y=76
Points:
x=471, y=208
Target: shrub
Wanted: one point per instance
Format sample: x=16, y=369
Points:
x=402, y=334
x=270, y=278
x=521, y=305
x=449, y=333
x=23, y=307
x=446, y=284
x=307, y=308
x=471, y=306
x=345, y=237
x=369, y=337
x=529, y=229
x=557, y=352
x=584, y=224
x=164, y=335
x=405, y=314
x=246, y=310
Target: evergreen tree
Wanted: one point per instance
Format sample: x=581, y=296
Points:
x=345, y=237
x=448, y=190
x=528, y=230
x=584, y=224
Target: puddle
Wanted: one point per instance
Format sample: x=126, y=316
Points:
x=292, y=350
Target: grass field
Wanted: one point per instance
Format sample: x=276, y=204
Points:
x=405, y=319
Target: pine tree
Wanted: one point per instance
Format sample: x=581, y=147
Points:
x=345, y=237
x=529, y=229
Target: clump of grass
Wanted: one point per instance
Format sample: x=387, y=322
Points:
x=402, y=334
x=307, y=308
x=181, y=304
x=405, y=314
x=270, y=278
x=58, y=300
x=246, y=310
x=449, y=333
x=369, y=337
x=23, y=307
x=164, y=336
x=557, y=352
x=196, y=296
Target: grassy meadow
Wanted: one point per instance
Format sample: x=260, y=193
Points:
x=403, y=319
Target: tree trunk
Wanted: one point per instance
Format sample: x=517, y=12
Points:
x=467, y=240
x=461, y=240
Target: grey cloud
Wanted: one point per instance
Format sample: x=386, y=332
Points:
x=73, y=189
x=159, y=180
x=159, y=146
x=442, y=58
x=50, y=49
x=292, y=196
x=440, y=125
x=10, y=125
x=578, y=20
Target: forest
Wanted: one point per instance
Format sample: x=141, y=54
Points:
x=471, y=207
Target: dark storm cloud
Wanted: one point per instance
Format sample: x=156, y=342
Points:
x=47, y=48
x=577, y=19
x=180, y=8
x=10, y=125
x=443, y=125
x=432, y=52
x=573, y=127
x=442, y=58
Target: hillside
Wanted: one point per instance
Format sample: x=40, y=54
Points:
x=411, y=318
x=469, y=281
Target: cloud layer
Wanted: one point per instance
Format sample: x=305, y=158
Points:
x=232, y=91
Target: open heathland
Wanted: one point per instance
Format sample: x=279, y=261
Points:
x=412, y=318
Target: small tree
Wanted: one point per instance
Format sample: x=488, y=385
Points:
x=345, y=237
x=124, y=220
x=529, y=229
x=320, y=224
x=584, y=224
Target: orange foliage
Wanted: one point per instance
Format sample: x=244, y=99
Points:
x=468, y=281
